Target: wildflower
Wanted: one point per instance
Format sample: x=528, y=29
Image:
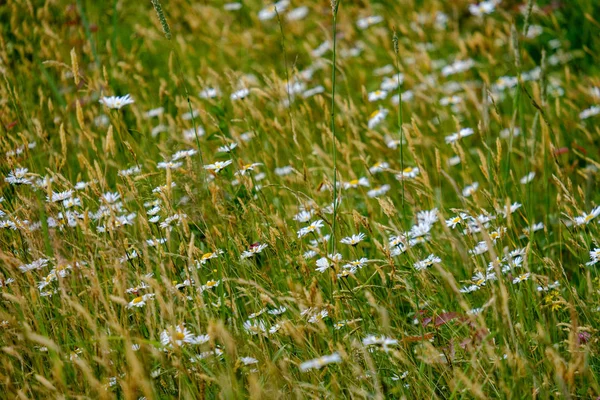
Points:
x=457, y=67
x=354, y=239
x=313, y=91
x=378, y=191
x=378, y=167
x=248, y=360
x=303, y=216
x=240, y=94
x=377, y=117
x=169, y=165
x=514, y=207
x=183, y=154
x=130, y=171
x=585, y=218
x=110, y=197
x=318, y=316
x=191, y=134
x=356, y=183
x=470, y=189
x=18, y=177
x=320, y=362
x=34, y=265
x=155, y=112
x=455, y=137
x=314, y=226
x=60, y=196
x=211, y=284
x=272, y=10
x=254, y=249
x=210, y=255
x=297, y=13
x=140, y=301
x=427, y=262
x=521, y=278
x=388, y=84
x=527, y=178
x=116, y=102
x=594, y=257
x=255, y=327
x=483, y=8
x=383, y=341
x=283, y=171
x=480, y=248
x=408, y=173
x=247, y=167
x=310, y=254
x=353, y=265
x=209, y=92
x=454, y=221
x=323, y=264
x=180, y=335
x=590, y=112
x=228, y=148
x=364, y=23
x=277, y=311
x=377, y=95
x=217, y=166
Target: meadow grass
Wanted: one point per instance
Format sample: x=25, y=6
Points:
x=300, y=200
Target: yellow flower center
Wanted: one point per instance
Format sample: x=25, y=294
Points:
x=206, y=256
x=211, y=284
x=178, y=336
x=374, y=114
x=138, y=300
x=407, y=170
x=353, y=182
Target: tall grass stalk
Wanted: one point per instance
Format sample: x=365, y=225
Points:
x=400, y=122
x=334, y=8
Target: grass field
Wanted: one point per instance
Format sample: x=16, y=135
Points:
x=362, y=199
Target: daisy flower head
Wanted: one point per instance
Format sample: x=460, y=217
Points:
x=140, y=301
x=379, y=191
x=297, y=14
x=314, y=226
x=320, y=362
x=427, y=262
x=116, y=102
x=271, y=11
x=218, y=166
x=18, y=177
x=382, y=341
x=377, y=117
x=377, y=95
x=408, y=173
x=391, y=83
x=379, y=167
x=59, y=196
x=527, y=178
x=254, y=249
x=354, y=239
x=180, y=335
x=354, y=183
x=364, y=23
x=246, y=168
x=228, y=148
x=521, y=278
x=210, y=284
x=594, y=257
x=455, y=137
x=585, y=218
x=470, y=189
